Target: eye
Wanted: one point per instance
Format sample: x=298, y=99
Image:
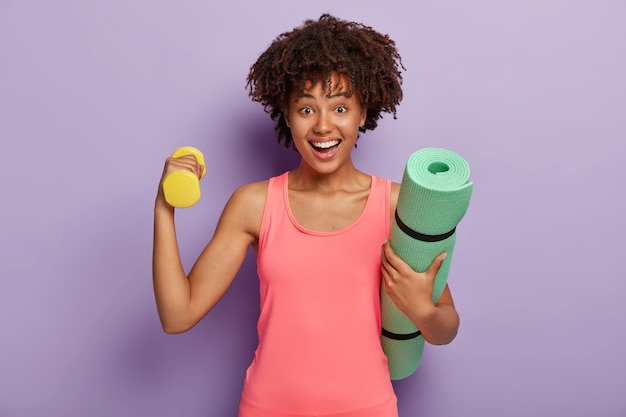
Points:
x=306, y=111
x=341, y=109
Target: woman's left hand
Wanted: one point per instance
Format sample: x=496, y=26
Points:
x=410, y=291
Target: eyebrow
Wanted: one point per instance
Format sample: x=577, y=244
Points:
x=334, y=95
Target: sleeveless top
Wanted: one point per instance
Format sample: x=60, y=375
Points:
x=319, y=351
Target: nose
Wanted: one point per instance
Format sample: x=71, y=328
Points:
x=323, y=123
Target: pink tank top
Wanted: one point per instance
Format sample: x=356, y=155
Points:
x=319, y=351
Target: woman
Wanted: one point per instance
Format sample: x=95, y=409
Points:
x=319, y=231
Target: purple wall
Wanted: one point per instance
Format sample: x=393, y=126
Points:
x=94, y=95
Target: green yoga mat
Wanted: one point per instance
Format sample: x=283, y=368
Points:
x=434, y=196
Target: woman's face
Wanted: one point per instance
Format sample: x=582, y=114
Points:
x=325, y=123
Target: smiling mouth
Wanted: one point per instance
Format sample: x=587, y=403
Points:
x=326, y=147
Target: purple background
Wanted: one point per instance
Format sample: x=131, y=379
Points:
x=94, y=95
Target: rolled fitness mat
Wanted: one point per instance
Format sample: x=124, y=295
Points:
x=434, y=196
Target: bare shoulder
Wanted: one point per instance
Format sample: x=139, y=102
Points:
x=395, y=191
x=245, y=207
x=253, y=194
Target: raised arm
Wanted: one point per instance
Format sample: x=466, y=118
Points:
x=182, y=301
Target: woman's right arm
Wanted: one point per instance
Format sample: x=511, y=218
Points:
x=182, y=301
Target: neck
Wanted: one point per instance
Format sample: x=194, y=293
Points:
x=347, y=177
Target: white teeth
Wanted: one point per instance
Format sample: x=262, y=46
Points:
x=325, y=145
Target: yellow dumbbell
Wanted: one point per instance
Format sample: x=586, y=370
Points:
x=182, y=188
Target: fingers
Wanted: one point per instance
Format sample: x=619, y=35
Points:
x=393, y=264
x=387, y=258
x=436, y=265
x=185, y=162
x=393, y=267
x=407, y=287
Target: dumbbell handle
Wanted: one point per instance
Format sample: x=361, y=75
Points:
x=182, y=188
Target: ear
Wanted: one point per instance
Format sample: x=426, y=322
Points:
x=363, y=116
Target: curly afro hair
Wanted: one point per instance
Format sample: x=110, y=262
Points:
x=316, y=50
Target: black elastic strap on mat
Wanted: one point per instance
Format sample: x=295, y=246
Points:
x=396, y=336
x=419, y=236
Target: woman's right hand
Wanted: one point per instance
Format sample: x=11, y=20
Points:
x=185, y=162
